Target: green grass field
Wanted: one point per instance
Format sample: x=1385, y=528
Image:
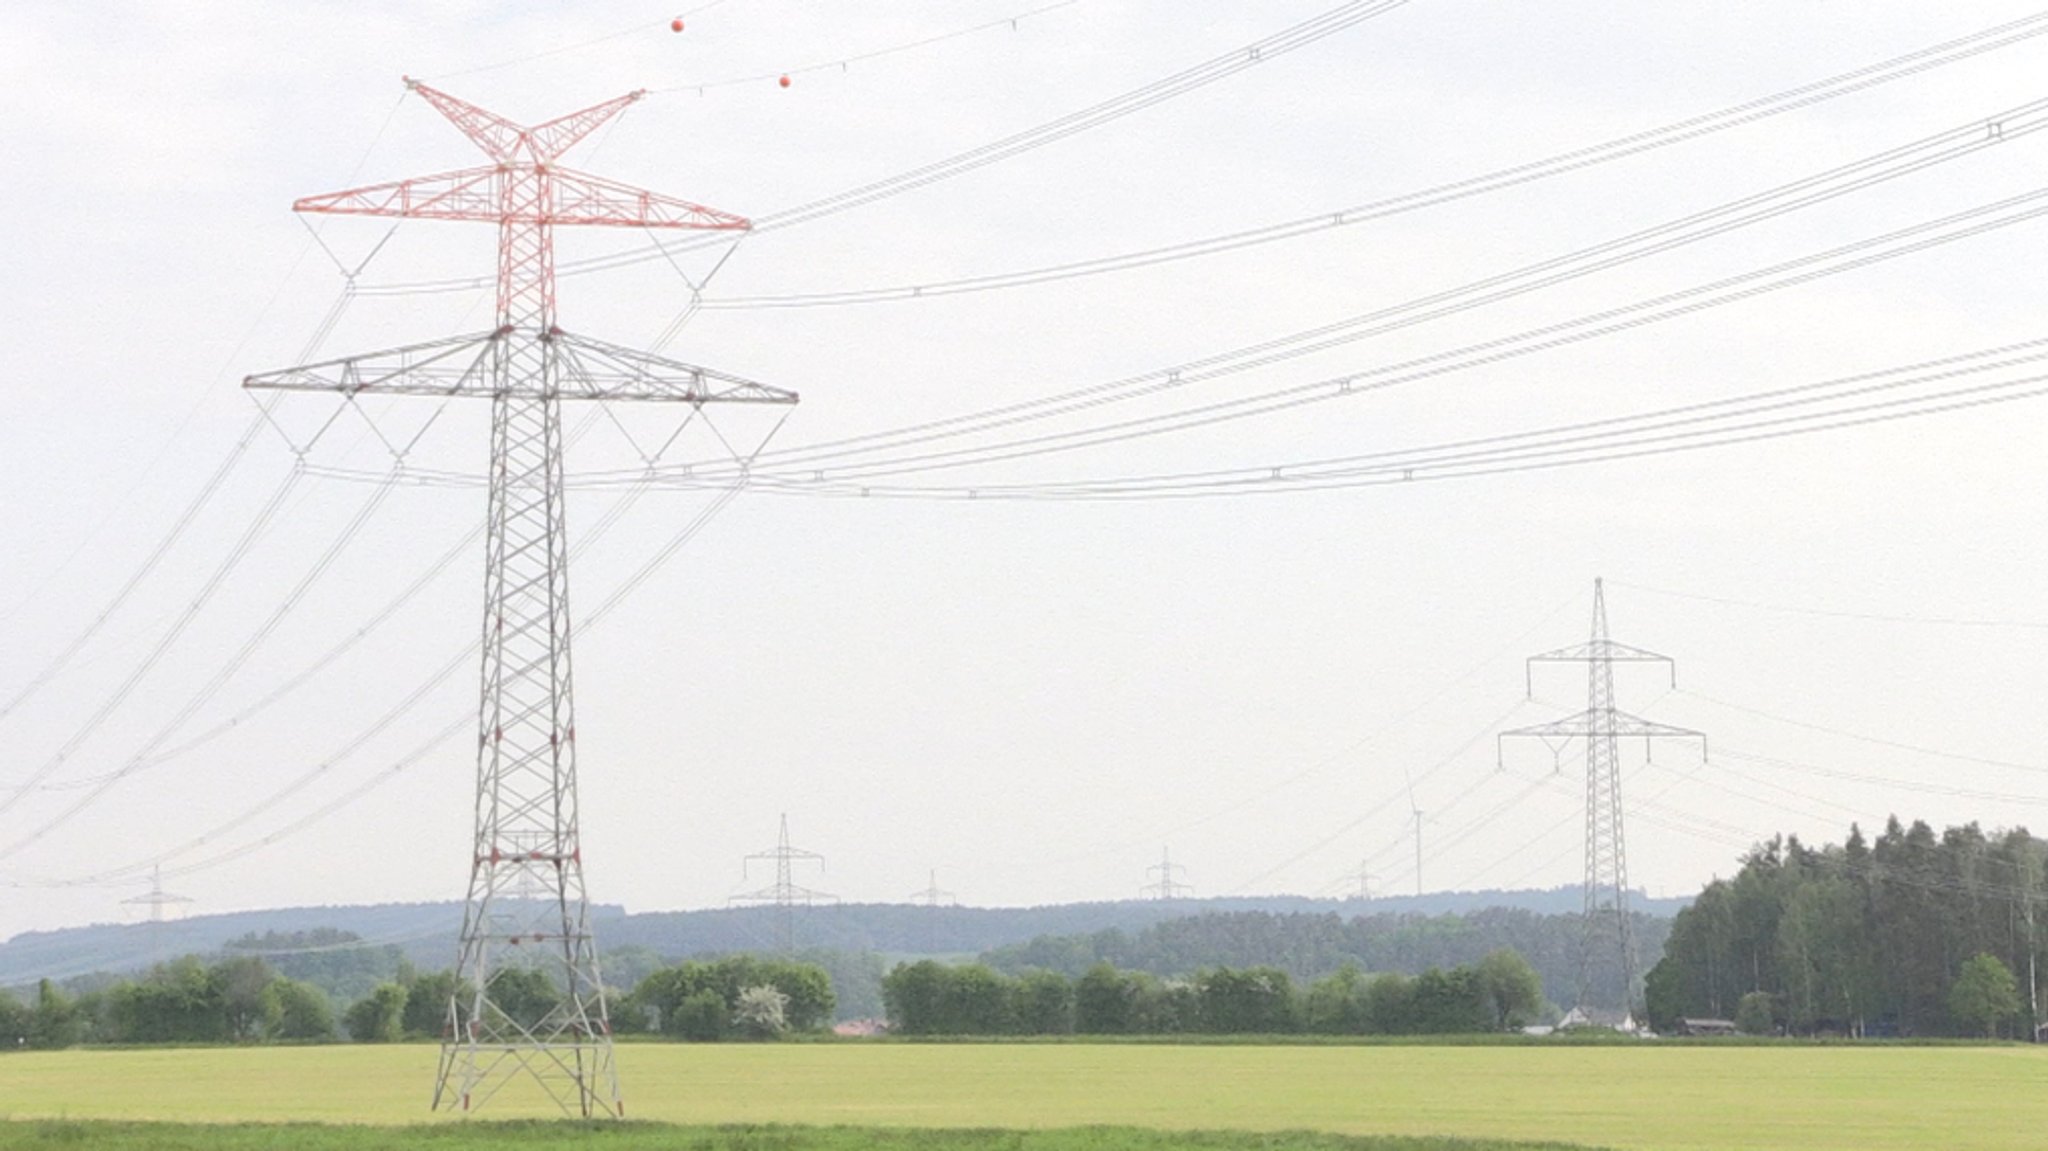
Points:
x=1644, y=1096
x=558, y=1136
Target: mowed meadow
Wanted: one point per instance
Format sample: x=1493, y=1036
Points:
x=1800, y=1098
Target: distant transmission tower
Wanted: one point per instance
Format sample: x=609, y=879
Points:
x=1166, y=887
x=156, y=898
x=1602, y=725
x=784, y=894
x=526, y=893
x=931, y=896
x=932, y=899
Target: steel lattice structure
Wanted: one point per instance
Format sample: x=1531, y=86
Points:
x=785, y=894
x=1167, y=886
x=526, y=904
x=932, y=896
x=1602, y=726
x=156, y=898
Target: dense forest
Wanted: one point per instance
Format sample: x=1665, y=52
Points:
x=1308, y=946
x=1497, y=993
x=1910, y=934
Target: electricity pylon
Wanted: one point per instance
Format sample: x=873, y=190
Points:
x=784, y=894
x=156, y=898
x=1167, y=887
x=1602, y=725
x=932, y=898
x=526, y=902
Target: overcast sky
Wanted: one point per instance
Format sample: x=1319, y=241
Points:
x=1033, y=698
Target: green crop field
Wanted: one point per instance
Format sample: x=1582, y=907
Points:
x=1797, y=1098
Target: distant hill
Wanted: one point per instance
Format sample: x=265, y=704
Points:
x=417, y=929
x=424, y=933
x=910, y=929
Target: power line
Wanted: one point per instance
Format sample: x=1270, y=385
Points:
x=1407, y=792
x=1920, y=786
x=1916, y=238
x=612, y=516
x=843, y=63
x=1880, y=167
x=1385, y=728
x=443, y=675
x=1835, y=613
x=212, y=687
x=236, y=553
x=793, y=470
x=801, y=465
x=1878, y=741
x=164, y=545
x=1748, y=112
x=1714, y=423
x=143, y=571
x=1299, y=35
x=1289, y=478
x=637, y=28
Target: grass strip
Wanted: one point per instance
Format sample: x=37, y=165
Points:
x=37, y=1135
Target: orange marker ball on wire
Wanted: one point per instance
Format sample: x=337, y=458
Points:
x=676, y=25
x=784, y=81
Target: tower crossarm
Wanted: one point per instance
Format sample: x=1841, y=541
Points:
x=585, y=369
x=792, y=854
x=581, y=198
x=1589, y=724
x=464, y=194
x=605, y=371
x=1597, y=651
x=781, y=894
x=459, y=365
x=504, y=141
x=576, y=198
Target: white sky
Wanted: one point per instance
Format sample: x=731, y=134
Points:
x=1032, y=698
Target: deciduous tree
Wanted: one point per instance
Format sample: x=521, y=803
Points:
x=1984, y=995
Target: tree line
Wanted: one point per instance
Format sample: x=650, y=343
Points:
x=1498, y=992
x=242, y=999
x=1310, y=945
x=1912, y=934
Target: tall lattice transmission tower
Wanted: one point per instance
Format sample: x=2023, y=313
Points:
x=1602, y=725
x=526, y=904
x=1166, y=886
x=785, y=894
